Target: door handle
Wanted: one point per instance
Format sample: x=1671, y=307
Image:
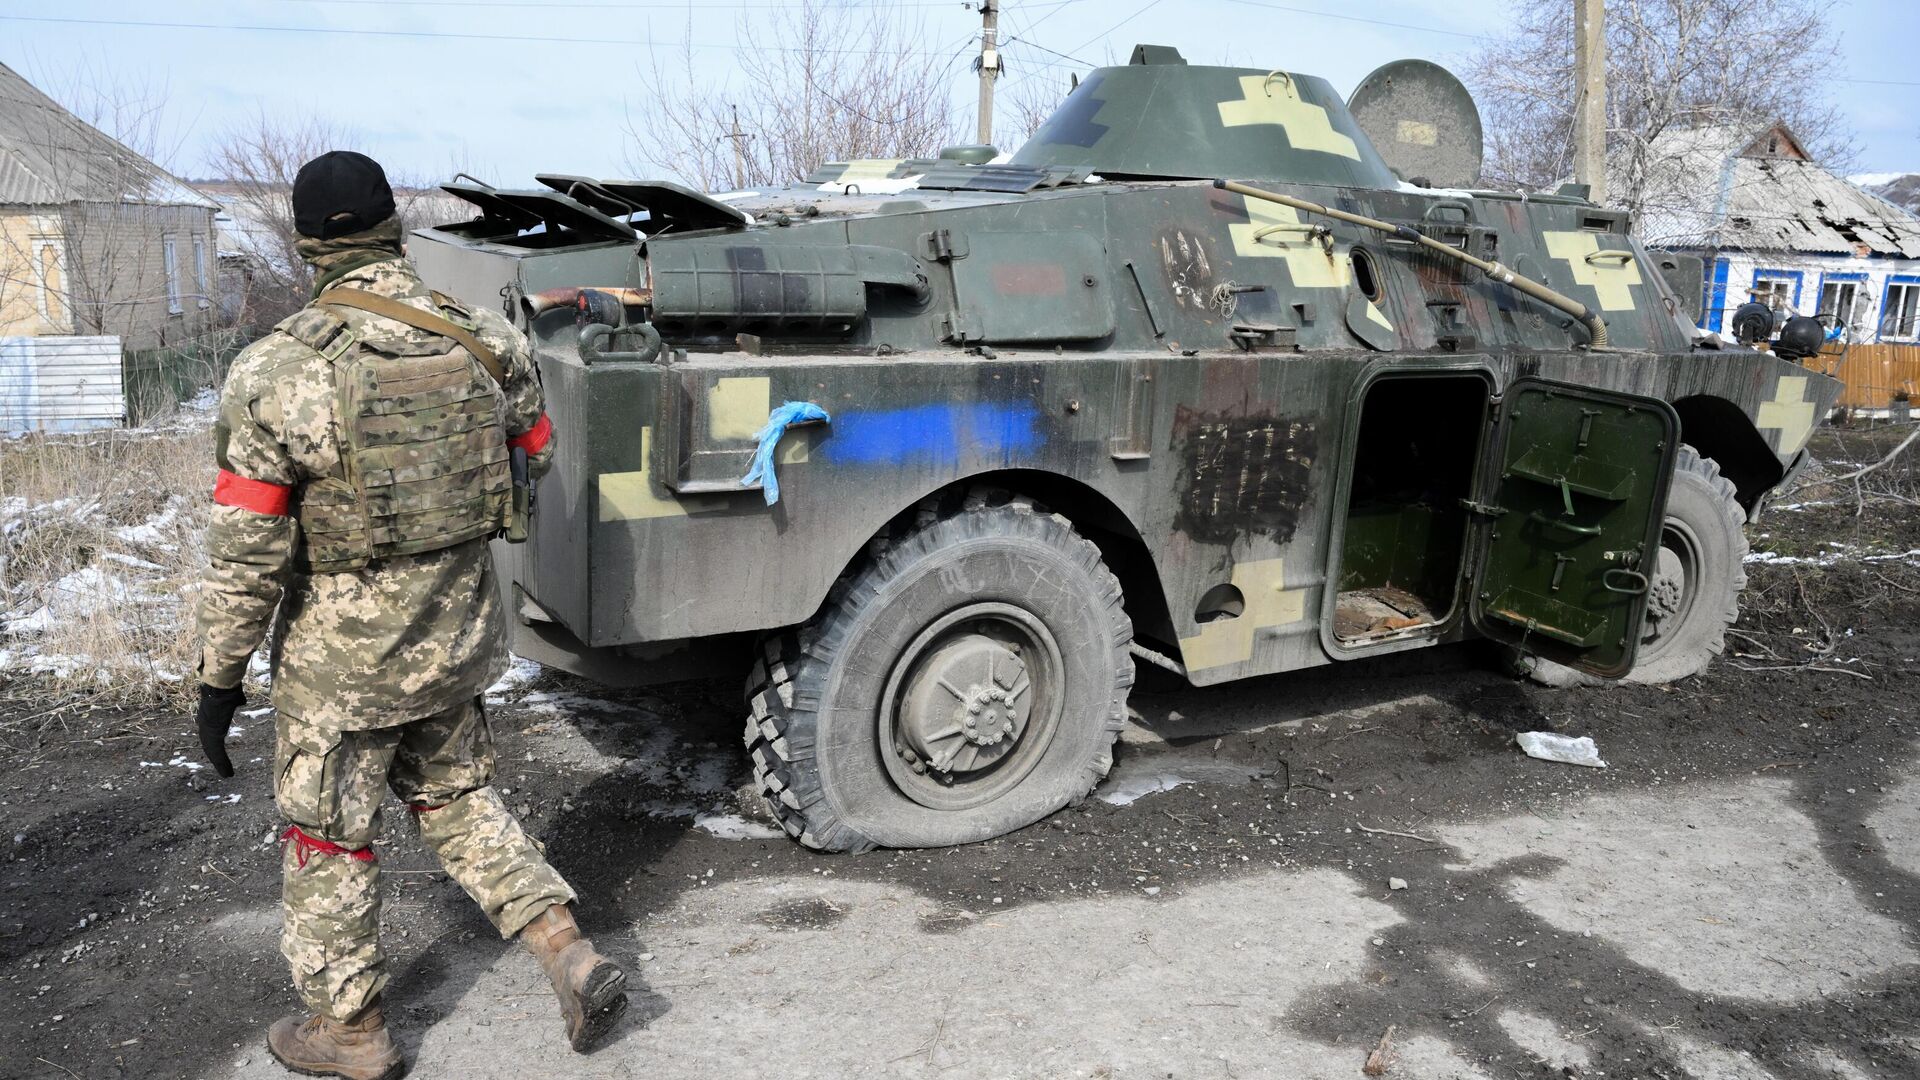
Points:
x=1636, y=581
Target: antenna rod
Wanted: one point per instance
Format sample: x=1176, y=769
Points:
x=1596, y=327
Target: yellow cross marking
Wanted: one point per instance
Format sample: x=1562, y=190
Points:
x=738, y=408
x=1374, y=315
x=1612, y=277
x=1269, y=603
x=1307, y=125
x=628, y=496
x=1789, y=413
x=1307, y=261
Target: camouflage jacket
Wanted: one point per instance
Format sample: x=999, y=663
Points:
x=404, y=638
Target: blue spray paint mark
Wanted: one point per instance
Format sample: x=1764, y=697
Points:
x=938, y=434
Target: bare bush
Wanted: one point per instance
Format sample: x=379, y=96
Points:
x=1671, y=64
x=100, y=561
x=824, y=80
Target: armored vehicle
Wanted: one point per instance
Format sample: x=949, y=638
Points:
x=1193, y=379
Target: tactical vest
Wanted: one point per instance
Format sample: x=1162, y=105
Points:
x=424, y=462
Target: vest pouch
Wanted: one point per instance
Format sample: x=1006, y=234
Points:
x=333, y=527
x=423, y=449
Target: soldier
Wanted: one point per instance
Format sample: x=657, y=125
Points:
x=369, y=449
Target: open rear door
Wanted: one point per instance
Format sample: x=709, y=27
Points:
x=1574, y=523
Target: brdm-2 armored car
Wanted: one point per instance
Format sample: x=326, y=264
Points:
x=1194, y=378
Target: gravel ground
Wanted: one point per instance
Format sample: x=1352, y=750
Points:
x=1735, y=897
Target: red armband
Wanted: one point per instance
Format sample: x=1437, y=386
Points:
x=232, y=489
x=535, y=439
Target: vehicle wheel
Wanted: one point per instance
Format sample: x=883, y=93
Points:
x=1698, y=576
x=968, y=678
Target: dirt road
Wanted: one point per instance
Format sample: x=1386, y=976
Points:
x=1736, y=897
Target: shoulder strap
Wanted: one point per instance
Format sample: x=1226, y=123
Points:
x=412, y=316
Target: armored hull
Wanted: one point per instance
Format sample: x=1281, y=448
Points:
x=1087, y=407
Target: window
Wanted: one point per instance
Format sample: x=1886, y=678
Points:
x=1844, y=304
x=171, y=259
x=1774, y=293
x=1900, y=316
x=50, y=272
x=201, y=292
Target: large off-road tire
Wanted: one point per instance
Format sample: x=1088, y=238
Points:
x=963, y=680
x=1697, y=581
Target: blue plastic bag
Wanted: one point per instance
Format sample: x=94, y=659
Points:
x=791, y=414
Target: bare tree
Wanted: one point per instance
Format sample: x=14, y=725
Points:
x=1026, y=105
x=1671, y=64
x=257, y=163
x=824, y=80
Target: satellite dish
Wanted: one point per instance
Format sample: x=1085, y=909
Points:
x=1422, y=120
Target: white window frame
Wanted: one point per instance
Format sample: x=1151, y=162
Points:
x=200, y=272
x=44, y=299
x=1900, y=291
x=1773, y=287
x=1849, y=308
x=170, y=261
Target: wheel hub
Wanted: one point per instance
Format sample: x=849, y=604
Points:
x=1667, y=596
x=965, y=704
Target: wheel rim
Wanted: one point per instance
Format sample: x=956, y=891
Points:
x=1675, y=586
x=971, y=706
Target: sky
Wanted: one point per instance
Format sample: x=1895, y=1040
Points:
x=506, y=88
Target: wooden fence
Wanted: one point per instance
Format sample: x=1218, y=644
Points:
x=1873, y=373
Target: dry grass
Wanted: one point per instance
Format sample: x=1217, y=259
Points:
x=100, y=561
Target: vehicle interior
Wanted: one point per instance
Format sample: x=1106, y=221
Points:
x=1406, y=524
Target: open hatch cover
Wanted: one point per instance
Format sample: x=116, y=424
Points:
x=1575, y=513
x=525, y=209
x=667, y=205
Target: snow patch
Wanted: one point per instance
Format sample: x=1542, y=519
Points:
x=735, y=827
x=157, y=530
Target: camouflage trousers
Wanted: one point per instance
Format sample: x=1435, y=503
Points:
x=329, y=785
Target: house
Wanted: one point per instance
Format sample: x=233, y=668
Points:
x=95, y=239
x=1770, y=224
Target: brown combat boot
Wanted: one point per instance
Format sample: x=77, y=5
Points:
x=591, y=988
x=358, y=1049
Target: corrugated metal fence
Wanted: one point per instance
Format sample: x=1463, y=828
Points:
x=1873, y=373
x=60, y=383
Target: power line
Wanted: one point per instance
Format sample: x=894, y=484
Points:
x=657, y=5
x=436, y=34
x=1143, y=9
x=1353, y=18
x=1036, y=45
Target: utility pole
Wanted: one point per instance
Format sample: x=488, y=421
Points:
x=989, y=67
x=739, y=152
x=1590, y=96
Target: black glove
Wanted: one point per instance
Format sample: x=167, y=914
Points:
x=214, y=718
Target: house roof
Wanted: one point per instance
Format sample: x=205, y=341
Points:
x=1736, y=187
x=1900, y=189
x=48, y=156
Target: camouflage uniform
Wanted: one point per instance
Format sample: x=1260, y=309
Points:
x=377, y=672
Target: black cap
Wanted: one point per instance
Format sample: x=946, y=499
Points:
x=340, y=193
